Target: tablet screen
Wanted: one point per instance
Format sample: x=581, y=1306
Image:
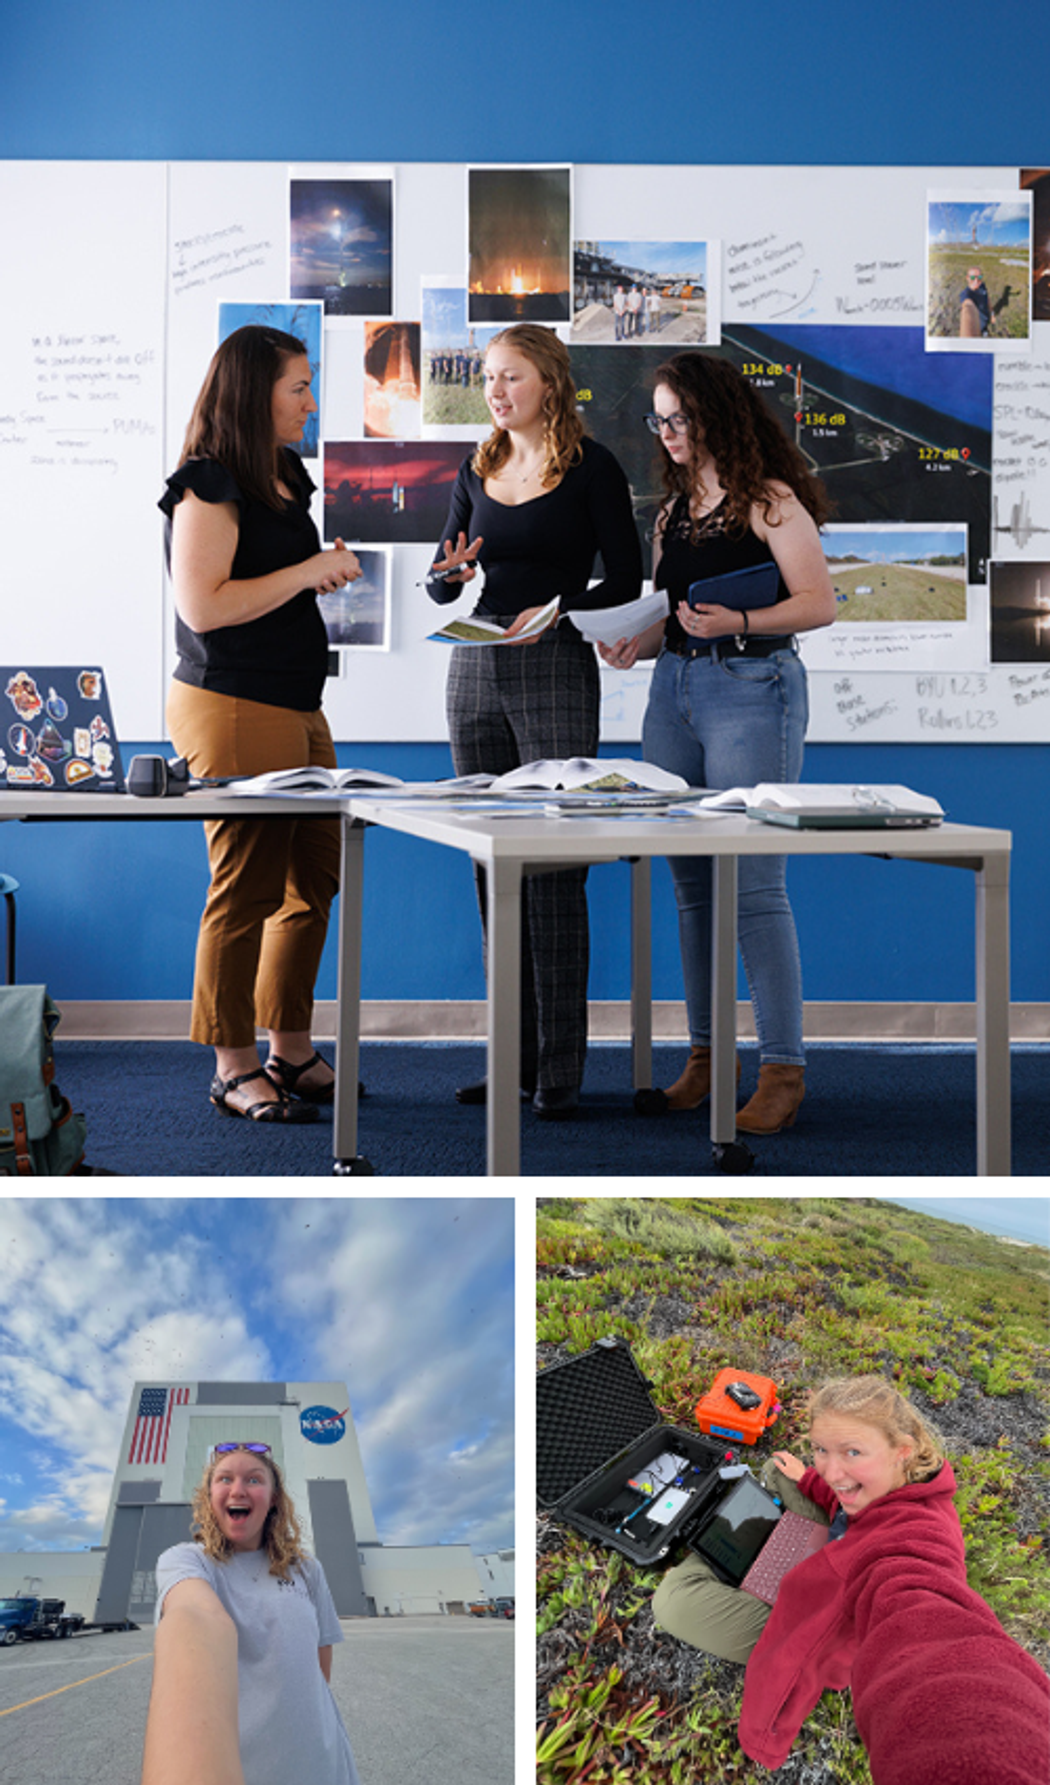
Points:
x=738, y=1530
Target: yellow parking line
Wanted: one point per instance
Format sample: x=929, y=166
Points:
x=91, y=1676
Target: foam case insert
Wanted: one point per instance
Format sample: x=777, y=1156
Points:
x=596, y=1428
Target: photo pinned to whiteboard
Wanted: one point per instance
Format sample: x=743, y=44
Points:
x=341, y=239
x=978, y=271
x=453, y=363
x=388, y=492
x=901, y=599
x=519, y=244
x=1020, y=613
x=304, y=320
x=651, y=294
x=391, y=381
x=1036, y=180
x=357, y=617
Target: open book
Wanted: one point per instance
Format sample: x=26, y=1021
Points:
x=812, y=804
x=312, y=778
x=473, y=631
x=590, y=774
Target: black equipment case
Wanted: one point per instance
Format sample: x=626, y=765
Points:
x=597, y=1430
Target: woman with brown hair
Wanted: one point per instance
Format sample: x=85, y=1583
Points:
x=246, y=567
x=533, y=506
x=243, y=1653
x=728, y=703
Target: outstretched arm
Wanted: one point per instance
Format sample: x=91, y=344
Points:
x=191, y=1730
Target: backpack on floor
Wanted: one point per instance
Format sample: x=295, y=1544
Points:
x=39, y=1134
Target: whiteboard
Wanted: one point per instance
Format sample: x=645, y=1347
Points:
x=113, y=318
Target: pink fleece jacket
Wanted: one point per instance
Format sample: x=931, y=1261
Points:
x=941, y=1694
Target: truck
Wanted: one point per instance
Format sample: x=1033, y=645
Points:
x=29, y=1617
x=25, y=1618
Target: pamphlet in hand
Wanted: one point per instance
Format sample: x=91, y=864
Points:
x=473, y=631
x=607, y=625
x=311, y=778
x=802, y=805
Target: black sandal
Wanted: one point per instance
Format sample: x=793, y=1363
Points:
x=286, y=1078
x=279, y=1109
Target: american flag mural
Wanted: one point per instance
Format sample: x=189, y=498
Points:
x=149, y=1440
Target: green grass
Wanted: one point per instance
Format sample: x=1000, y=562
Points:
x=795, y=1289
x=899, y=592
x=1007, y=275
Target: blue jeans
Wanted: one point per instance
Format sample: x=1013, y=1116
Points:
x=732, y=722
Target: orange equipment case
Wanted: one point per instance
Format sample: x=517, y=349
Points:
x=718, y=1414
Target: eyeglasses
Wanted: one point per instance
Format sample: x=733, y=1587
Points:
x=678, y=423
x=259, y=1450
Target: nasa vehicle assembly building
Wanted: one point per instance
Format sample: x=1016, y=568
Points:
x=170, y=1430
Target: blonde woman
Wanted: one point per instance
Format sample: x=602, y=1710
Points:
x=243, y=1655
x=533, y=506
x=939, y=1690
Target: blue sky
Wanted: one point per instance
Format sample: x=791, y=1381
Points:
x=1001, y=224
x=673, y=259
x=886, y=544
x=1015, y=1217
x=410, y=1301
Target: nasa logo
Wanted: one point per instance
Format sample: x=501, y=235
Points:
x=322, y=1425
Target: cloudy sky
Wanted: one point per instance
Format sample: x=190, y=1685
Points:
x=410, y=1301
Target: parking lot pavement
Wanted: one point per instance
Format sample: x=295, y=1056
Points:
x=422, y=1697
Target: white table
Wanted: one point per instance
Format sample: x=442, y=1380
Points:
x=51, y=806
x=511, y=847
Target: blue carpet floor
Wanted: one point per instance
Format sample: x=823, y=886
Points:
x=900, y=1111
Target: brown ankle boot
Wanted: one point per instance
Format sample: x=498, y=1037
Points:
x=687, y=1092
x=775, y=1103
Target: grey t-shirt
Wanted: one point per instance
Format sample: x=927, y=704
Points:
x=290, y=1728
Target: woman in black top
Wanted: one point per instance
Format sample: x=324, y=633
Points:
x=246, y=567
x=533, y=506
x=728, y=704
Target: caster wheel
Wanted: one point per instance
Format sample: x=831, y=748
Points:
x=733, y=1156
x=650, y=1102
x=352, y=1168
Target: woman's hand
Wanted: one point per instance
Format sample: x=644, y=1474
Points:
x=626, y=652
x=709, y=622
x=622, y=655
x=458, y=559
x=528, y=614
x=338, y=566
x=789, y=1465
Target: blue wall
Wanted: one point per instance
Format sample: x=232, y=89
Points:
x=111, y=911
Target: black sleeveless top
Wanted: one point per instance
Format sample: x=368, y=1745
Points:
x=714, y=551
x=282, y=657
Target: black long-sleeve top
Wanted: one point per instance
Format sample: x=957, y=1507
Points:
x=547, y=546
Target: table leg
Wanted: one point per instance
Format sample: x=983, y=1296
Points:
x=992, y=917
x=641, y=972
x=723, y=999
x=502, y=1112
x=348, y=1004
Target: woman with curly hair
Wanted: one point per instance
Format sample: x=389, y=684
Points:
x=243, y=1653
x=728, y=704
x=533, y=506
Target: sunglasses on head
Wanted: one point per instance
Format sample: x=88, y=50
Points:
x=259, y=1450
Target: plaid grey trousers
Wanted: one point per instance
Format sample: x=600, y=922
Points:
x=513, y=704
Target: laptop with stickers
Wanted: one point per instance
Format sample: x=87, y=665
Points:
x=57, y=732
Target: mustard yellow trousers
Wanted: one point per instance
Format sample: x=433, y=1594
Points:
x=272, y=879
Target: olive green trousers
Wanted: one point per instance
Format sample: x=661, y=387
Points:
x=694, y=1605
